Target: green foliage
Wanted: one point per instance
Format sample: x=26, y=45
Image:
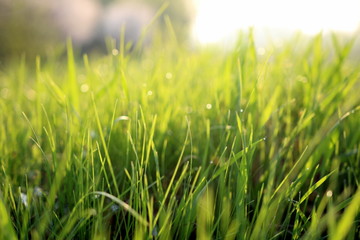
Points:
x=177, y=143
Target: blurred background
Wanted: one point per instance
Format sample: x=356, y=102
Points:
x=42, y=26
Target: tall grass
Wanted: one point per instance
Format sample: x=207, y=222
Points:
x=176, y=143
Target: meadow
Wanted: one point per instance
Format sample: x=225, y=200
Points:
x=177, y=142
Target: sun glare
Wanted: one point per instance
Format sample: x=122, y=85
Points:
x=219, y=19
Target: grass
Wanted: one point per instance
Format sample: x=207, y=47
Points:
x=177, y=143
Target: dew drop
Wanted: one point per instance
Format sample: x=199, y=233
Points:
x=114, y=207
x=84, y=88
x=168, y=75
x=122, y=118
x=241, y=110
x=329, y=194
x=38, y=191
x=24, y=199
x=208, y=106
x=155, y=232
x=92, y=134
x=115, y=52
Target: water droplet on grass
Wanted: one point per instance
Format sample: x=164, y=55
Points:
x=38, y=191
x=149, y=93
x=115, y=52
x=114, y=208
x=122, y=118
x=155, y=232
x=208, y=106
x=168, y=75
x=92, y=134
x=329, y=194
x=84, y=88
x=24, y=199
x=241, y=110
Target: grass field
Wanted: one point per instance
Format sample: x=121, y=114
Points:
x=175, y=142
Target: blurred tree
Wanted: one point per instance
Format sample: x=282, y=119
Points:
x=37, y=27
x=23, y=29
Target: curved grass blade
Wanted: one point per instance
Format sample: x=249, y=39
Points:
x=125, y=206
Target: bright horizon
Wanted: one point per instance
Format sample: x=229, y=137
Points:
x=218, y=20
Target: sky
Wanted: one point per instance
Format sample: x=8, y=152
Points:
x=217, y=20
